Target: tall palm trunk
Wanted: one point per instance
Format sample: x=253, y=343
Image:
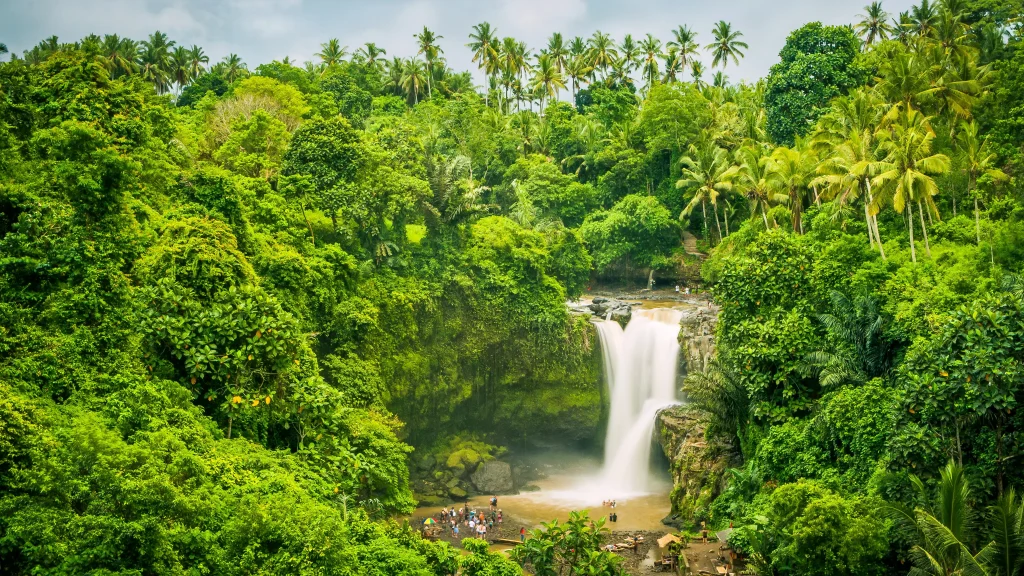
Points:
x=867, y=220
x=910, y=226
x=977, y=217
x=872, y=220
x=764, y=216
x=718, y=223
x=924, y=230
x=704, y=212
x=725, y=212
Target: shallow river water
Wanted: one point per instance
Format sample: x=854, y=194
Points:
x=575, y=484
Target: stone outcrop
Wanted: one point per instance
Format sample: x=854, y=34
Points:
x=493, y=477
x=697, y=465
x=603, y=307
x=697, y=336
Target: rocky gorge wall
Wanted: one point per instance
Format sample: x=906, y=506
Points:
x=697, y=464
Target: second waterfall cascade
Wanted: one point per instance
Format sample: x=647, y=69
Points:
x=640, y=369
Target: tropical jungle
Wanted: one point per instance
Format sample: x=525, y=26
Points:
x=253, y=315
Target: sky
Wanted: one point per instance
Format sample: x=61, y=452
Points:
x=264, y=30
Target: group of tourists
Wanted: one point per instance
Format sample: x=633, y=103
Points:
x=614, y=516
x=475, y=521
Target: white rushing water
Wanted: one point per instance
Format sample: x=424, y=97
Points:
x=640, y=368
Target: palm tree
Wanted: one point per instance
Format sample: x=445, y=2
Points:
x=752, y=180
x=790, y=172
x=602, y=51
x=371, y=53
x=866, y=354
x=629, y=53
x=726, y=45
x=923, y=18
x=846, y=136
x=155, y=60
x=942, y=528
x=577, y=69
x=650, y=48
x=547, y=79
x=685, y=44
x=874, y=24
x=232, y=68
x=181, y=72
x=577, y=47
x=697, y=72
x=707, y=168
x=413, y=75
x=393, y=75
x=673, y=66
x=1006, y=556
x=904, y=175
x=484, y=44
x=119, y=54
x=197, y=61
x=427, y=42
x=3, y=48
x=978, y=160
x=331, y=53
x=557, y=50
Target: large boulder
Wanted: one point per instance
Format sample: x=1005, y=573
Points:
x=697, y=463
x=493, y=477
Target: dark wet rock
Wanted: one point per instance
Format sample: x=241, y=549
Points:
x=493, y=477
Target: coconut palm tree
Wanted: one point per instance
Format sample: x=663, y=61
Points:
x=629, y=53
x=577, y=69
x=331, y=53
x=697, y=73
x=197, y=61
x=577, y=47
x=180, y=67
x=726, y=45
x=602, y=52
x=547, y=79
x=790, y=173
x=904, y=175
x=484, y=43
x=706, y=169
x=978, y=160
x=685, y=43
x=154, y=61
x=673, y=66
x=846, y=140
x=119, y=54
x=874, y=24
x=650, y=50
x=752, y=180
x=232, y=68
x=427, y=43
x=559, y=53
x=393, y=75
x=413, y=77
x=923, y=18
x=860, y=324
x=371, y=54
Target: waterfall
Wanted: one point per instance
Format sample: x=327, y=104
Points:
x=640, y=369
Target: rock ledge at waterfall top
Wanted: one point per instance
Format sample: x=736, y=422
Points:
x=604, y=307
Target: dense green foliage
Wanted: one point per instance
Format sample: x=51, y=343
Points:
x=236, y=306
x=854, y=378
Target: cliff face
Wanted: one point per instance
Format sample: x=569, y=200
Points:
x=696, y=463
x=697, y=337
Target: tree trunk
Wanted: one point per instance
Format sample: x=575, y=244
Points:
x=881, y=250
x=718, y=224
x=910, y=226
x=704, y=211
x=977, y=221
x=867, y=220
x=924, y=230
x=725, y=212
x=764, y=216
